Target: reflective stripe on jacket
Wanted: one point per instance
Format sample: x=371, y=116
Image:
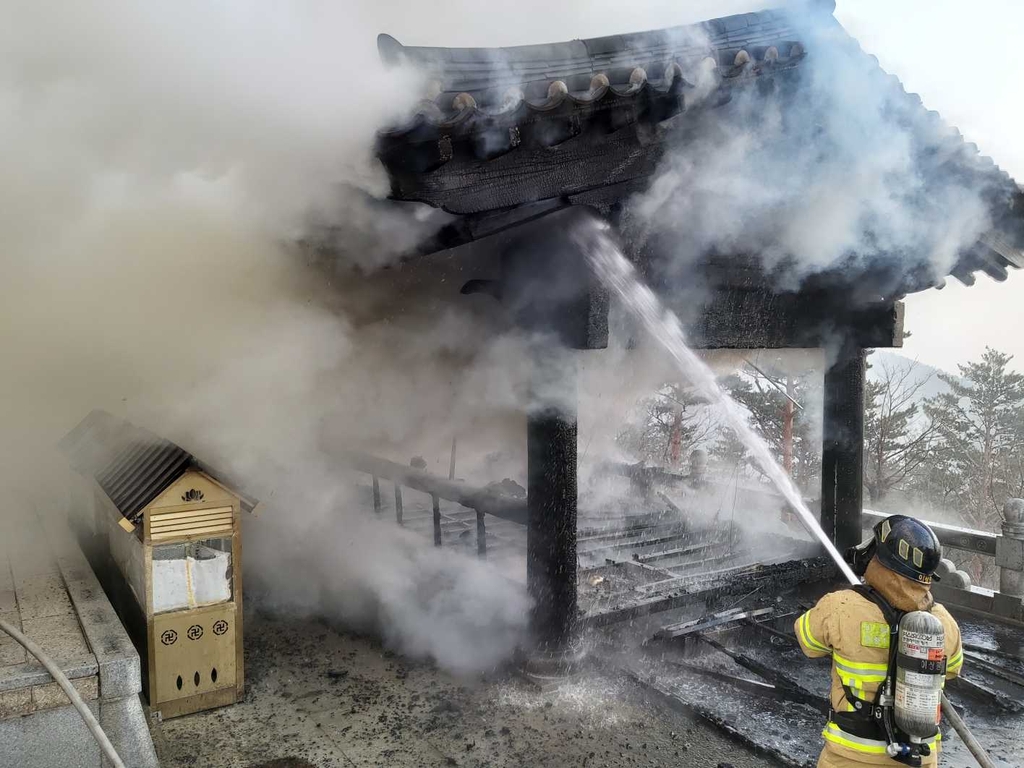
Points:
x=852, y=630
x=833, y=734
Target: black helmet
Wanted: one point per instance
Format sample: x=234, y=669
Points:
x=908, y=547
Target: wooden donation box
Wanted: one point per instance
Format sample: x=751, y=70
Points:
x=168, y=534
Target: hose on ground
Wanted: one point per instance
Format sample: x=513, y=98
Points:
x=965, y=734
x=69, y=690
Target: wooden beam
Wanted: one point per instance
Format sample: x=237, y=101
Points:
x=760, y=319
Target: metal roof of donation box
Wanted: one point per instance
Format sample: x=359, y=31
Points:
x=132, y=465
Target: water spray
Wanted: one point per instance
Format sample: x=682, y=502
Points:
x=617, y=274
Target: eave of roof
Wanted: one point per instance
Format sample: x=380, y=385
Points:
x=482, y=85
x=582, y=122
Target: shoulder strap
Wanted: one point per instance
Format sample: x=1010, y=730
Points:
x=892, y=615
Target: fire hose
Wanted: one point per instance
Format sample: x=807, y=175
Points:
x=69, y=690
x=965, y=734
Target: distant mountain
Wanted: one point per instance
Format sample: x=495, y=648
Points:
x=883, y=358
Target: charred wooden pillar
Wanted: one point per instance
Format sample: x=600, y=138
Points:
x=551, y=530
x=842, y=454
x=550, y=291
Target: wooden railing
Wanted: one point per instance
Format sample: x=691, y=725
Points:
x=483, y=501
x=1006, y=547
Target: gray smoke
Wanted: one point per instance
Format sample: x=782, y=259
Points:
x=160, y=164
x=841, y=175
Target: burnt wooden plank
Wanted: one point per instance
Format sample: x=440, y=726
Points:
x=761, y=319
x=530, y=174
x=776, y=577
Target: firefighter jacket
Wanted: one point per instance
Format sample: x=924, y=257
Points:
x=852, y=630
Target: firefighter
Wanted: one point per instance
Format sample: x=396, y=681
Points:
x=858, y=627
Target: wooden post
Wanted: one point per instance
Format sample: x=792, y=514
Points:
x=398, y=503
x=842, y=455
x=481, y=535
x=436, y=504
x=376, y=495
x=551, y=530
x=451, y=464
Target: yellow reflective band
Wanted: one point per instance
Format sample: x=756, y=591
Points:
x=855, y=680
x=956, y=662
x=807, y=638
x=853, y=673
x=837, y=735
x=860, y=666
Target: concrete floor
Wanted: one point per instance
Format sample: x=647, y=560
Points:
x=319, y=697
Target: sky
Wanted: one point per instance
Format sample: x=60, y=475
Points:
x=969, y=67
x=965, y=64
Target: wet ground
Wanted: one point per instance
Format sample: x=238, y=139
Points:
x=317, y=696
x=320, y=697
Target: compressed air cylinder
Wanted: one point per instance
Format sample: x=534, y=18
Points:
x=920, y=671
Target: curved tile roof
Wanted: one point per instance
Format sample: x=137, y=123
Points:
x=501, y=82
x=588, y=122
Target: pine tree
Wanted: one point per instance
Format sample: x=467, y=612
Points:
x=976, y=464
x=788, y=428
x=668, y=426
x=896, y=442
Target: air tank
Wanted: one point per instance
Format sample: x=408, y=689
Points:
x=920, y=671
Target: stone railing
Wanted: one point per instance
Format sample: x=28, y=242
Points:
x=1007, y=548
x=1010, y=549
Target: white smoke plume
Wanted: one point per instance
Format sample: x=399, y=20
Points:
x=838, y=175
x=160, y=163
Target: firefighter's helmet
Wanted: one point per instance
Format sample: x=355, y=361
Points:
x=908, y=547
x=902, y=544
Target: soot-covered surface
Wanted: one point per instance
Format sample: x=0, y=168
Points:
x=319, y=697
x=787, y=724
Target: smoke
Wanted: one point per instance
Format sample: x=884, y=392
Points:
x=160, y=165
x=842, y=171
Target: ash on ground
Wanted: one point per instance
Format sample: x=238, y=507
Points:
x=320, y=697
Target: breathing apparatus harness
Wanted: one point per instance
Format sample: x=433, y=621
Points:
x=876, y=719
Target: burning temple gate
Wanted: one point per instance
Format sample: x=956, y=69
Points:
x=517, y=143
